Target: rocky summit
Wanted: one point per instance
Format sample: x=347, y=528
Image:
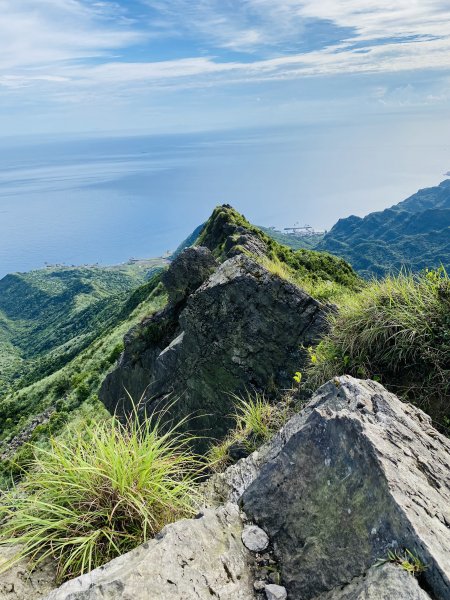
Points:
x=352, y=481
x=228, y=328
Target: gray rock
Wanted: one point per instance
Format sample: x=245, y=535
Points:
x=380, y=583
x=275, y=592
x=354, y=475
x=187, y=272
x=259, y=585
x=199, y=558
x=242, y=329
x=20, y=582
x=254, y=538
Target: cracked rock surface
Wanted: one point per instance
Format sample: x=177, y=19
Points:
x=380, y=583
x=354, y=475
x=196, y=559
x=243, y=328
x=19, y=583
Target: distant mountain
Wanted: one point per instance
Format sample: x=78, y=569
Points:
x=414, y=234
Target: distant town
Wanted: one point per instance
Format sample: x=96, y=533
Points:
x=299, y=230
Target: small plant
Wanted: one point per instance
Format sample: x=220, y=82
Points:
x=256, y=421
x=407, y=560
x=297, y=377
x=105, y=490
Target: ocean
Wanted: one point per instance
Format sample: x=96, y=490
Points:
x=87, y=200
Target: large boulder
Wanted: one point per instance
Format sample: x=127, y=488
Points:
x=244, y=328
x=355, y=475
x=201, y=558
x=355, y=478
x=190, y=269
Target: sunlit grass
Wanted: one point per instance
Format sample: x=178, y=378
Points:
x=107, y=488
x=396, y=330
x=256, y=421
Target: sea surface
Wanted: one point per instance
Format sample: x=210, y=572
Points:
x=104, y=200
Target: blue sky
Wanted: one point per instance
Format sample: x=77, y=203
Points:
x=159, y=66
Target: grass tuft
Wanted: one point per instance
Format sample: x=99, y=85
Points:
x=106, y=489
x=256, y=420
x=396, y=331
x=407, y=560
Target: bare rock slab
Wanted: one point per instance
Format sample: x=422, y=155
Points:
x=356, y=474
x=21, y=583
x=192, y=559
x=380, y=583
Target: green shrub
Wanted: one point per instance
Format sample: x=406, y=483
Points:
x=99, y=493
x=396, y=331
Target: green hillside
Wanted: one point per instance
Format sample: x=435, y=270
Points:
x=49, y=315
x=414, y=234
x=33, y=411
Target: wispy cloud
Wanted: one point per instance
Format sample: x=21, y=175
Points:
x=72, y=50
x=44, y=33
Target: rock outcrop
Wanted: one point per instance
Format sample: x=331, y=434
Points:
x=387, y=582
x=197, y=559
x=355, y=475
x=239, y=328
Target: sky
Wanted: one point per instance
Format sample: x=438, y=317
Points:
x=162, y=66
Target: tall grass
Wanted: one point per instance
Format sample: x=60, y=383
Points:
x=396, y=330
x=324, y=290
x=106, y=489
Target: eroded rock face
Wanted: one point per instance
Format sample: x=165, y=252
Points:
x=243, y=328
x=356, y=474
x=201, y=558
x=187, y=273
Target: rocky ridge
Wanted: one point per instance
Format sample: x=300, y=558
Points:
x=228, y=328
x=354, y=475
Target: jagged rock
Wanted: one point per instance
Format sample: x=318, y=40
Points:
x=20, y=582
x=243, y=328
x=380, y=583
x=186, y=274
x=200, y=558
x=254, y=538
x=275, y=592
x=228, y=237
x=354, y=475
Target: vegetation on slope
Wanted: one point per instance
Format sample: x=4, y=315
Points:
x=48, y=316
x=99, y=493
x=58, y=398
x=414, y=234
x=226, y=226
x=396, y=331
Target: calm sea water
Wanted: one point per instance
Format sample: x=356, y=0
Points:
x=84, y=200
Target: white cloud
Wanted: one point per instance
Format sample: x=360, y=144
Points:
x=51, y=43
x=39, y=33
